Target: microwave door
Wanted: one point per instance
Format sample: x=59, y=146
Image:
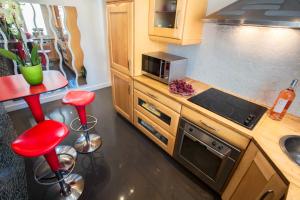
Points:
x=154, y=66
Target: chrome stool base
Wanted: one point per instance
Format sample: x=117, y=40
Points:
x=88, y=143
x=47, y=177
x=75, y=124
x=76, y=183
x=66, y=156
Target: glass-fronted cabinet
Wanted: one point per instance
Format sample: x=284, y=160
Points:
x=165, y=13
x=165, y=18
x=157, y=112
x=157, y=134
x=176, y=21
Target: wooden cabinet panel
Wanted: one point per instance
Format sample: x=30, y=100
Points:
x=122, y=92
x=177, y=21
x=174, y=105
x=154, y=132
x=117, y=1
x=120, y=24
x=157, y=112
x=255, y=179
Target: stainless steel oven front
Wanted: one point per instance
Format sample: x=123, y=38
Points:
x=205, y=155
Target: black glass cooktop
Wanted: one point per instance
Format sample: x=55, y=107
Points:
x=233, y=108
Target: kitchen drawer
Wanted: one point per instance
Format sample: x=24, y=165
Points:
x=216, y=128
x=174, y=105
x=157, y=112
x=161, y=137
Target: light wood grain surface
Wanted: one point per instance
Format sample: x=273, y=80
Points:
x=267, y=132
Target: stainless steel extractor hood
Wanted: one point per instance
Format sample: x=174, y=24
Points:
x=278, y=13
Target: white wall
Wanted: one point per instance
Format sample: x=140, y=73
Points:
x=254, y=62
x=214, y=5
x=91, y=22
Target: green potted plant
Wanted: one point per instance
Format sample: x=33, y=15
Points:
x=32, y=71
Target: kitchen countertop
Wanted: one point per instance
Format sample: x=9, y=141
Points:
x=267, y=132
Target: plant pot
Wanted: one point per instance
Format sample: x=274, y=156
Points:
x=32, y=74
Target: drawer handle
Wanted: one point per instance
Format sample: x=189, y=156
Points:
x=151, y=95
x=207, y=126
x=266, y=194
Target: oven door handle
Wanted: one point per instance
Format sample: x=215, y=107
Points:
x=216, y=153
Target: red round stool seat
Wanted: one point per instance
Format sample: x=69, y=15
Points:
x=83, y=123
x=40, y=139
x=79, y=98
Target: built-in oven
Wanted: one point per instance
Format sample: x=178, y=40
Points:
x=163, y=67
x=207, y=156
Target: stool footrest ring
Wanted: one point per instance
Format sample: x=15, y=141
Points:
x=75, y=124
x=48, y=177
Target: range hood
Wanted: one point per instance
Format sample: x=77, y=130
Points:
x=277, y=13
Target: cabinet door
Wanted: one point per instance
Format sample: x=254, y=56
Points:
x=122, y=92
x=120, y=36
x=166, y=18
x=260, y=182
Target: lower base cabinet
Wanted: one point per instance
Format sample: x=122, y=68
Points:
x=122, y=93
x=255, y=179
x=157, y=134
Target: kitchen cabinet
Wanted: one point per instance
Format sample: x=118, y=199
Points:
x=255, y=178
x=177, y=21
x=157, y=112
x=157, y=134
x=120, y=36
x=122, y=93
x=127, y=25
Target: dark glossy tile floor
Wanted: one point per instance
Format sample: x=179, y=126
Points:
x=127, y=167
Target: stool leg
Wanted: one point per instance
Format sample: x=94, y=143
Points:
x=82, y=114
x=53, y=162
x=89, y=142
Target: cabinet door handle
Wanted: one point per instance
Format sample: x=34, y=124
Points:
x=128, y=63
x=151, y=95
x=176, y=18
x=129, y=88
x=266, y=194
x=207, y=126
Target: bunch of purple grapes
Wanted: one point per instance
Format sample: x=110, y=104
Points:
x=181, y=87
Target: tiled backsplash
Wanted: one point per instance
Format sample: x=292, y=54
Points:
x=254, y=62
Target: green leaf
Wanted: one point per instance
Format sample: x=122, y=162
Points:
x=11, y=56
x=35, y=58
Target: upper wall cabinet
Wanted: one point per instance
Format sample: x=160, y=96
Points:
x=176, y=21
x=120, y=36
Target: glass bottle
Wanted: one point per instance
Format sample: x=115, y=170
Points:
x=283, y=102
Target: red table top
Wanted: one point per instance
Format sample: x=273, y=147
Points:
x=15, y=86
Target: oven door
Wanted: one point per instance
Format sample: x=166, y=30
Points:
x=209, y=165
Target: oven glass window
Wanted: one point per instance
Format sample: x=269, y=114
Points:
x=201, y=158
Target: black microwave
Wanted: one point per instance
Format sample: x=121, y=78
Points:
x=164, y=67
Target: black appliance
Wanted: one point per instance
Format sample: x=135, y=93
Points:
x=240, y=111
x=207, y=156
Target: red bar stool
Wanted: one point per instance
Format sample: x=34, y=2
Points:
x=41, y=140
x=80, y=99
